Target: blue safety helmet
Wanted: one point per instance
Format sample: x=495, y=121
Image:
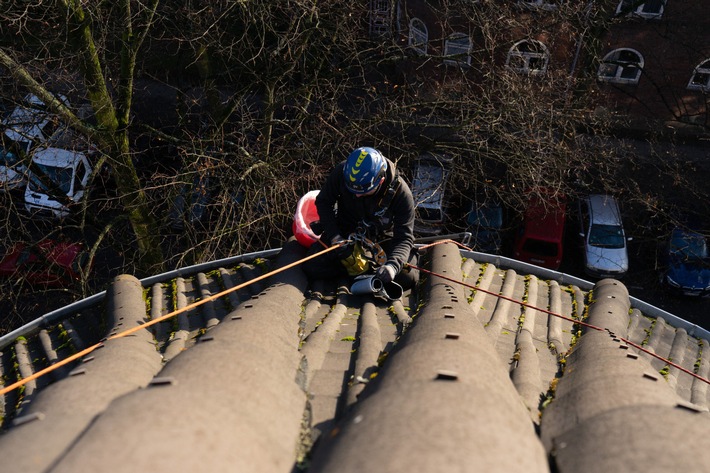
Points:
x=364, y=170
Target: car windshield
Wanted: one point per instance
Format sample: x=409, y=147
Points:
x=541, y=248
x=491, y=217
x=606, y=236
x=428, y=184
x=430, y=215
x=61, y=176
x=689, y=247
x=8, y=152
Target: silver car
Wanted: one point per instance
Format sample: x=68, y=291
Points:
x=604, y=240
x=428, y=187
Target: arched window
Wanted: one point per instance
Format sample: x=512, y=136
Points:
x=457, y=50
x=418, y=36
x=621, y=66
x=646, y=9
x=528, y=57
x=700, y=80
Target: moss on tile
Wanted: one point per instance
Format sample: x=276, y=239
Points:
x=649, y=331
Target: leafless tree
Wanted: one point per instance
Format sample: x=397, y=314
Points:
x=69, y=38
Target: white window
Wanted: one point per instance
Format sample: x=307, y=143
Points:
x=528, y=57
x=645, y=9
x=418, y=36
x=541, y=4
x=621, y=66
x=379, y=18
x=457, y=50
x=700, y=79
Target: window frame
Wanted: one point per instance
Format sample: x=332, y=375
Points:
x=639, y=9
x=611, y=58
x=702, y=68
x=418, y=40
x=515, y=52
x=379, y=18
x=451, y=58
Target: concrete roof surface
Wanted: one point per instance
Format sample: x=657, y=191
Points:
x=484, y=369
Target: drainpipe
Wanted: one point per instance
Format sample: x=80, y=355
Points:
x=578, y=51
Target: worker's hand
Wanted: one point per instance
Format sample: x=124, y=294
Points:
x=345, y=250
x=385, y=273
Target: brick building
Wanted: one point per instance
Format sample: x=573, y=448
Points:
x=656, y=60
x=651, y=60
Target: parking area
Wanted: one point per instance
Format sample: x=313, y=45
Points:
x=665, y=185
x=657, y=186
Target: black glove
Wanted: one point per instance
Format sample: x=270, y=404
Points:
x=385, y=273
x=345, y=250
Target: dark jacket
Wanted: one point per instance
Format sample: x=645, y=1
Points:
x=366, y=212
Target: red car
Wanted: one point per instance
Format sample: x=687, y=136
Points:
x=49, y=263
x=541, y=236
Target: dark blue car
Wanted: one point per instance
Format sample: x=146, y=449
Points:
x=485, y=222
x=688, y=271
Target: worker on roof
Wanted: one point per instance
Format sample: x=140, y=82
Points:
x=365, y=196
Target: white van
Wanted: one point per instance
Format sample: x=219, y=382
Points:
x=27, y=126
x=68, y=170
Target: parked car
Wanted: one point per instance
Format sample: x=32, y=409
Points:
x=428, y=190
x=688, y=263
x=603, y=239
x=485, y=223
x=27, y=126
x=49, y=263
x=540, y=238
x=58, y=182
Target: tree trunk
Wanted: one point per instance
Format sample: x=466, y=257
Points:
x=113, y=134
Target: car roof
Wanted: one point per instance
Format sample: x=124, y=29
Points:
x=27, y=120
x=57, y=157
x=24, y=124
x=686, y=232
x=545, y=220
x=603, y=209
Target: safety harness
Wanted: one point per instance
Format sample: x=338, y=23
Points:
x=386, y=200
x=365, y=251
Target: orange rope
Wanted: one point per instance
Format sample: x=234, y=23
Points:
x=594, y=327
x=151, y=322
x=439, y=242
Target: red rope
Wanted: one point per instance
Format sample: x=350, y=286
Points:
x=584, y=324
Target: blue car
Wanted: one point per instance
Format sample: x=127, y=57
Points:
x=688, y=271
x=485, y=222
